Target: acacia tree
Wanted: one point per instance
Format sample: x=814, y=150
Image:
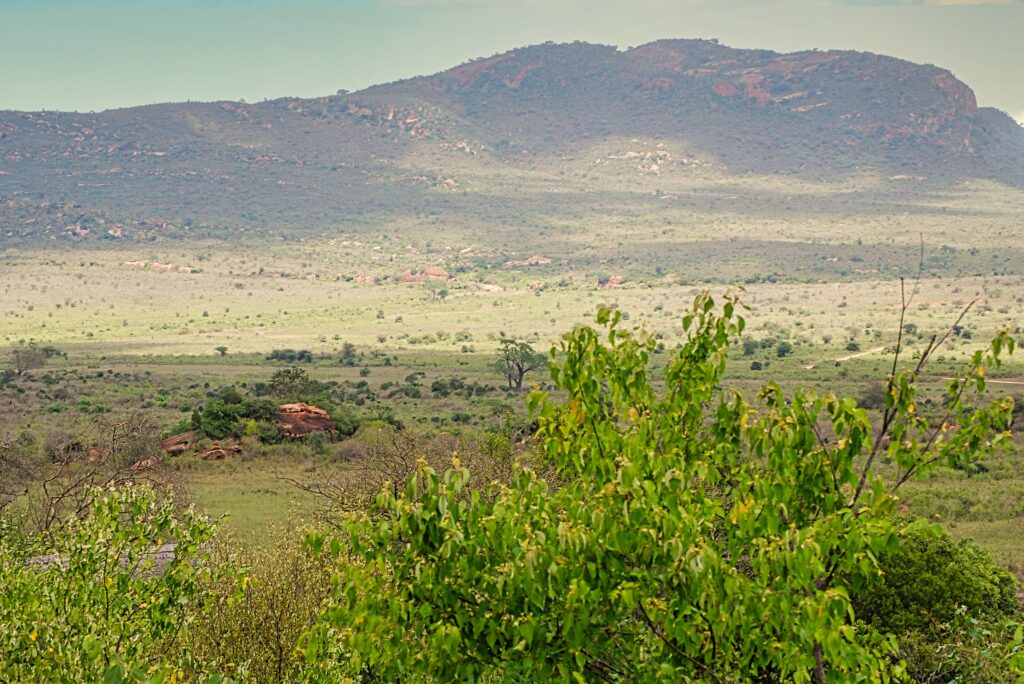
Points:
x=26, y=357
x=515, y=360
x=694, y=536
x=292, y=384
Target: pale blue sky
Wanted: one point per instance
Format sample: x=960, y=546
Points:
x=97, y=54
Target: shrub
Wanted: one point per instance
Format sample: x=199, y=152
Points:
x=291, y=356
x=100, y=604
x=873, y=396
x=257, y=614
x=928, y=577
x=687, y=534
x=219, y=419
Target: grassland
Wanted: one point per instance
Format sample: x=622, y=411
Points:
x=824, y=281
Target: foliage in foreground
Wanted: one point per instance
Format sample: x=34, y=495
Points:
x=950, y=605
x=100, y=605
x=250, y=629
x=696, y=538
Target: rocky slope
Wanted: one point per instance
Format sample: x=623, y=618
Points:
x=179, y=170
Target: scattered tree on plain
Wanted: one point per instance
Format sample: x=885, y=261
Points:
x=515, y=360
x=26, y=357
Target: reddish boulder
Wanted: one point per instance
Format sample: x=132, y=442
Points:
x=724, y=89
x=178, y=444
x=151, y=463
x=298, y=420
x=219, y=453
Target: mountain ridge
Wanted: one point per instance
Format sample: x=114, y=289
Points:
x=391, y=147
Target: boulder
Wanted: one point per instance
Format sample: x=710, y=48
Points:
x=218, y=453
x=298, y=420
x=178, y=444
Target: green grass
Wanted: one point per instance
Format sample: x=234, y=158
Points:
x=253, y=496
x=820, y=265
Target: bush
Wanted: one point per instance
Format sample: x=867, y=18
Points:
x=100, y=604
x=291, y=356
x=965, y=650
x=257, y=614
x=346, y=422
x=873, y=396
x=219, y=419
x=928, y=578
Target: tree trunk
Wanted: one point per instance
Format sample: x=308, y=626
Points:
x=819, y=665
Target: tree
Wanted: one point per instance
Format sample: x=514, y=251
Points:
x=783, y=348
x=515, y=360
x=222, y=350
x=107, y=454
x=688, y=535
x=292, y=383
x=348, y=354
x=26, y=357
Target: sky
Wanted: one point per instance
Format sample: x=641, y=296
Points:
x=89, y=55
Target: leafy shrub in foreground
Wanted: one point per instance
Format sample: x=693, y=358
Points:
x=950, y=607
x=695, y=537
x=99, y=605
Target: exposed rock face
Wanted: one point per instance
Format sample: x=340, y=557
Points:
x=178, y=444
x=431, y=273
x=298, y=420
x=151, y=463
x=219, y=453
x=752, y=109
x=535, y=260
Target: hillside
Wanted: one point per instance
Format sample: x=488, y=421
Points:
x=453, y=143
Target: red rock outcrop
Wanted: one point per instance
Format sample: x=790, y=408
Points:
x=432, y=273
x=178, y=444
x=724, y=89
x=219, y=453
x=298, y=420
x=535, y=260
x=612, y=281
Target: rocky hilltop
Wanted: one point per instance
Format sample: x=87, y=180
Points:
x=754, y=109
x=180, y=170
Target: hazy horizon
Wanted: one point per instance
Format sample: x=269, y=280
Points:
x=105, y=54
